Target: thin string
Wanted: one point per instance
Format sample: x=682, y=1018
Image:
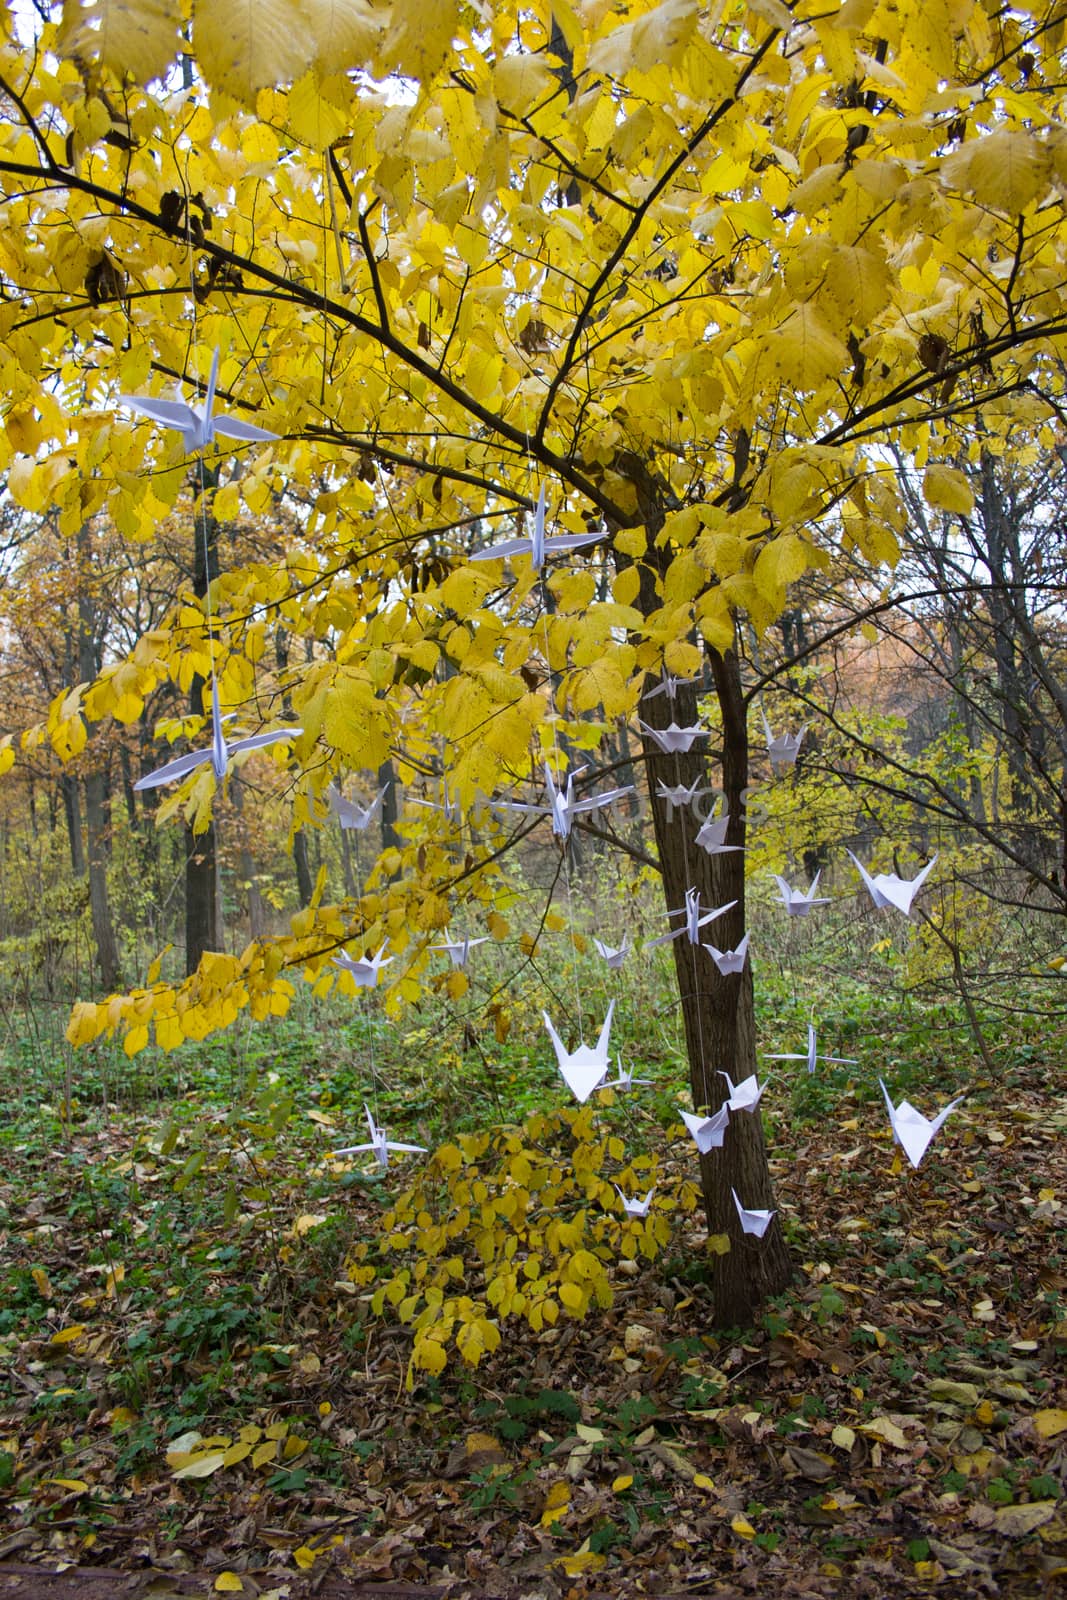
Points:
x=685, y=935
x=566, y=839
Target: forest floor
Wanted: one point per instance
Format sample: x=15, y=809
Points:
x=205, y=1403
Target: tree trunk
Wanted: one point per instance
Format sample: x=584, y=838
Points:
x=717, y=1011
x=68, y=783
x=96, y=829
x=304, y=884
x=96, y=807
x=201, y=924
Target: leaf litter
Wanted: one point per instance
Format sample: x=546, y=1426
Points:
x=180, y=1397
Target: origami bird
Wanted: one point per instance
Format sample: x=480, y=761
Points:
x=886, y=889
x=562, y=806
x=912, y=1131
x=379, y=1144
x=796, y=902
x=784, y=749
x=681, y=794
x=220, y=752
x=729, y=961
x=755, y=1222
x=613, y=957
x=582, y=1069
x=811, y=1055
x=694, y=919
x=365, y=970
x=538, y=547
x=708, y=1132
x=351, y=815
x=668, y=685
x=457, y=952
x=672, y=739
x=635, y=1207
x=712, y=836
x=448, y=804
x=746, y=1095
x=197, y=425
x=626, y=1080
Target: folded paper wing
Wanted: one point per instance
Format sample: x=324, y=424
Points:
x=582, y=1069
x=912, y=1130
x=729, y=961
x=635, y=1207
x=754, y=1221
x=708, y=1132
x=887, y=889
x=746, y=1095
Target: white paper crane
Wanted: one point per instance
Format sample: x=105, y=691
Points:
x=746, y=1095
x=695, y=919
x=752, y=1221
x=709, y=1132
x=668, y=685
x=635, y=1207
x=729, y=961
x=537, y=547
x=811, y=1055
x=349, y=814
x=626, y=1080
x=784, y=749
x=886, y=889
x=448, y=803
x=379, y=1144
x=365, y=970
x=712, y=836
x=562, y=807
x=681, y=794
x=796, y=902
x=582, y=1069
x=913, y=1131
x=613, y=957
x=458, y=952
x=220, y=752
x=672, y=739
x=197, y=425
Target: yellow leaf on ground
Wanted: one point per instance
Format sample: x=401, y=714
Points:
x=623, y=1481
x=229, y=1583
x=76, y=1485
x=304, y=1557
x=202, y=1466
x=742, y=1526
x=557, y=1503
x=882, y=1428
x=1051, y=1422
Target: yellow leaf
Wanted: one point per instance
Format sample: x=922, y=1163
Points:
x=702, y=1481
x=138, y=37
x=583, y=1560
x=623, y=1481
x=947, y=489
x=265, y=1453
x=557, y=1503
x=719, y=1244
x=742, y=1526
x=315, y=121
x=304, y=1557
x=229, y=1583
x=882, y=1428
x=200, y=1466
x=75, y=1485
x=1005, y=170
x=1050, y=1422
x=803, y=350
x=68, y=1335
x=246, y=45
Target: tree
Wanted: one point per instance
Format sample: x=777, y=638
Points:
x=691, y=268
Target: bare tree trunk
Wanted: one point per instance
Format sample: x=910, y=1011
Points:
x=68, y=784
x=717, y=1011
x=96, y=810
x=246, y=864
x=201, y=922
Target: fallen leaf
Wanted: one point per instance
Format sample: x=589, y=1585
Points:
x=229, y=1583
x=1015, y=1522
x=957, y=1394
x=882, y=1428
x=557, y=1503
x=1050, y=1422
x=200, y=1466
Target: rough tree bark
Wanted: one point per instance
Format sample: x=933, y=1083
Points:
x=718, y=1012
x=95, y=783
x=201, y=922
